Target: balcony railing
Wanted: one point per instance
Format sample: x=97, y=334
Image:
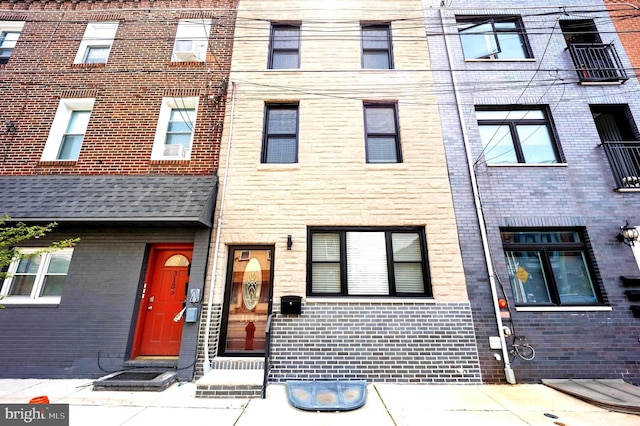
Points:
x=624, y=159
x=597, y=63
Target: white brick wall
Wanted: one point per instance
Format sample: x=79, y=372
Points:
x=331, y=184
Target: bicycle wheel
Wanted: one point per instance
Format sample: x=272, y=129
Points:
x=525, y=351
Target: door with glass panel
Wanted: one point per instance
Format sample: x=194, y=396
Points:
x=247, y=300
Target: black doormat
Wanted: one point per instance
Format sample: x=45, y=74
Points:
x=135, y=381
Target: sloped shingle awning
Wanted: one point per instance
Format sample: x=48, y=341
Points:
x=147, y=198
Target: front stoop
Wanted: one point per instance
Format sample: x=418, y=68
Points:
x=231, y=383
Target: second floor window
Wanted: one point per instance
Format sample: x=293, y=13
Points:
x=9, y=34
x=284, y=52
x=517, y=135
x=175, y=130
x=280, y=139
x=68, y=130
x=382, y=135
x=96, y=43
x=376, y=47
x=497, y=37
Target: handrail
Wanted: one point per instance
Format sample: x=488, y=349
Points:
x=267, y=356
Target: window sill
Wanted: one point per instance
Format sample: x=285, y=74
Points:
x=387, y=166
x=529, y=165
x=278, y=167
x=93, y=65
x=187, y=64
x=64, y=163
x=502, y=60
x=381, y=300
x=170, y=160
x=48, y=302
x=562, y=308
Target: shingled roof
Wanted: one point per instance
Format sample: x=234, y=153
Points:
x=147, y=198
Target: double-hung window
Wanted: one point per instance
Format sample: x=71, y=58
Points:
x=192, y=39
x=493, y=37
x=376, y=47
x=36, y=276
x=382, y=135
x=284, y=51
x=96, y=43
x=280, y=136
x=513, y=135
x=175, y=130
x=68, y=130
x=9, y=34
x=367, y=262
x=549, y=267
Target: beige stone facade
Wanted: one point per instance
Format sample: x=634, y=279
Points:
x=332, y=184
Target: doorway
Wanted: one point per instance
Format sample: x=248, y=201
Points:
x=247, y=303
x=159, y=326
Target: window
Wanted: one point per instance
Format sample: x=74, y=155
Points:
x=284, y=52
x=192, y=39
x=376, y=47
x=382, y=134
x=549, y=267
x=280, y=140
x=68, y=130
x=37, y=276
x=367, y=262
x=174, y=133
x=498, y=37
x=96, y=43
x=521, y=135
x=9, y=33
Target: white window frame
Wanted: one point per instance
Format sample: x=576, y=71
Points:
x=59, y=125
x=168, y=104
x=97, y=34
x=11, y=27
x=34, y=297
x=195, y=31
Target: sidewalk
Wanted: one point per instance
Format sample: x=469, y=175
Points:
x=387, y=405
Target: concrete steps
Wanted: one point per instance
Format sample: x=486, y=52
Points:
x=232, y=378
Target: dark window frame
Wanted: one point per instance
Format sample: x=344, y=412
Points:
x=476, y=20
x=266, y=134
x=273, y=50
x=514, y=123
x=544, y=248
x=379, y=26
x=395, y=134
x=388, y=231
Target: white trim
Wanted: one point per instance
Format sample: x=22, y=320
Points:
x=529, y=165
x=381, y=300
x=157, y=152
x=195, y=31
x=11, y=26
x=562, y=308
x=96, y=34
x=59, y=125
x=40, y=275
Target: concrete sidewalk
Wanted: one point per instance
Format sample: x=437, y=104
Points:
x=387, y=404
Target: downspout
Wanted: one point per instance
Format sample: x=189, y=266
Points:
x=508, y=372
x=206, y=365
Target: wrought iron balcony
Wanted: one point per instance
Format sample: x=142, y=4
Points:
x=597, y=63
x=624, y=159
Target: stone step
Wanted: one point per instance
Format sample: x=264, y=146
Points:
x=230, y=383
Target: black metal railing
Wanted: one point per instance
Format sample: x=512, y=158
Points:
x=267, y=357
x=597, y=62
x=624, y=159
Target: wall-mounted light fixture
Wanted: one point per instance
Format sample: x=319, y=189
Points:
x=628, y=234
x=289, y=242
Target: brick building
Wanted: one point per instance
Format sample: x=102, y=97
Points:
x=112, y=114
x=539, y=108
x=336, y=192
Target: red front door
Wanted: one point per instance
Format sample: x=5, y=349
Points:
x=159, y=328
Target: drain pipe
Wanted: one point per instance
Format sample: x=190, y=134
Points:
x=508, y=372
x=206, y=365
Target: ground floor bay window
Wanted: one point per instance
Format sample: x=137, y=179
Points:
x=550, y=267
x=368, y=262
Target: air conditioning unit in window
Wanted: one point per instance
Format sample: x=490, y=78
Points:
x=187, y=51
x=175, y=151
